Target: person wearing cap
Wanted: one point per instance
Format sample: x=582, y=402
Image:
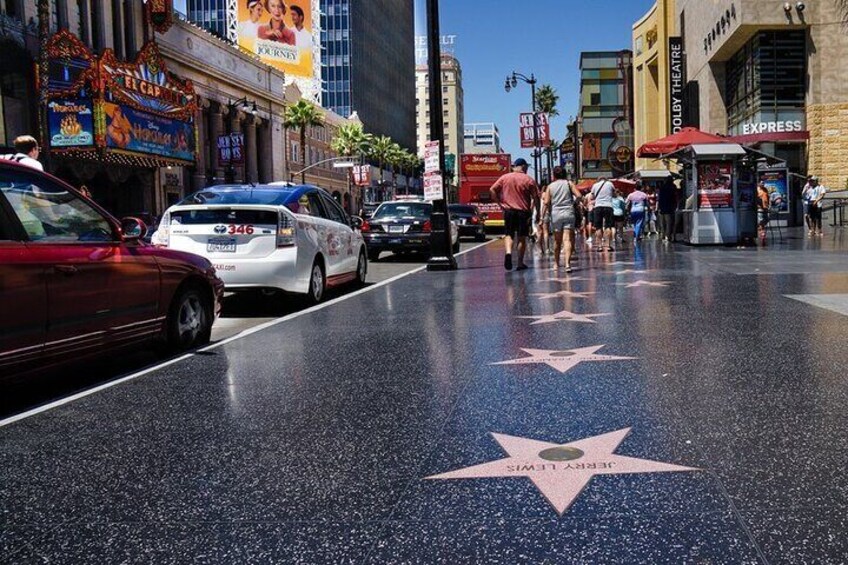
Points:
x=250, y=27
x=518, y=195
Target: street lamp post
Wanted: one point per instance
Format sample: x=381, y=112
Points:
x=441, y=254
x=510, y=83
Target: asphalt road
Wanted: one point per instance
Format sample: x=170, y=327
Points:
x=240, y=312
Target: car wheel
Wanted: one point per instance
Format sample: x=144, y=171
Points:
x=373, y=256
x=361, y=269
x=317, y=283
x=189, y=320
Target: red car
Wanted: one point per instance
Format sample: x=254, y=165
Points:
x=76, y=283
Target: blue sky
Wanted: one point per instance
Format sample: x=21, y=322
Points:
x=545, y=37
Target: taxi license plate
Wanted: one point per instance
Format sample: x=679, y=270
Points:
x=221, y=245
x=395, y=229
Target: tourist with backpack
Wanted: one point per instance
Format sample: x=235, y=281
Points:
x=27, y=152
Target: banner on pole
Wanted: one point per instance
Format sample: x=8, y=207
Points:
x=543, y=130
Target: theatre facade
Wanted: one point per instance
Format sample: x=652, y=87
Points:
x=771, y=74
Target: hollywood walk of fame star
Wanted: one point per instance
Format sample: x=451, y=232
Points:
x=563, y=294
x=639, y=283
x=562, y=471
x=564, y=316
x=563, y=360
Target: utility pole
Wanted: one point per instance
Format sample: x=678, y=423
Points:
x=441, y=254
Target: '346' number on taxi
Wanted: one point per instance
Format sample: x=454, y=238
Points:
x=242, y=229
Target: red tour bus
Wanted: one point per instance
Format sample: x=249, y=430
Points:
x=478, y=174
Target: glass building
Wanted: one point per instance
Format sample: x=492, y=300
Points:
x=368, y=64
x=211, y=15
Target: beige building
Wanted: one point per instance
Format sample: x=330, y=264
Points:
x=651, y=77
x=772, y=74
x=453, y=107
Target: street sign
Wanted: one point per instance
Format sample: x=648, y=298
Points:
x=431, y=157
x=362, y=175
x=433, y=186
x=543, y=129
x=231, y=149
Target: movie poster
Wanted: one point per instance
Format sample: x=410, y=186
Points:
x=128, y=129
x=71, y=123
x=777, y=183
x=715, y=185
x=279, y=33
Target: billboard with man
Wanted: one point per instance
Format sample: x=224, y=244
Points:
x=279, y=32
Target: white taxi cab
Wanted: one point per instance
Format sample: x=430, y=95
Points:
x=291, y=238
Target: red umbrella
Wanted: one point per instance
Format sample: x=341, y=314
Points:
x=679, y=140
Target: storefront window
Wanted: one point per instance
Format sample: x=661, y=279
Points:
x=766, y=81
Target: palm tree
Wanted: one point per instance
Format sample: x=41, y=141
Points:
x=352, y=141
x=546, y=100
x=300, y=116
x=381, y=149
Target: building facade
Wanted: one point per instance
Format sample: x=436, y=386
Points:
x=368, y=64
x=606, y=117
x=482, y=138
x=453, y=110
x=652, y=80
x=772, y=75
x=211, y=15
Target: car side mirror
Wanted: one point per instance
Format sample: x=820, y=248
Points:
x=132, y=229
x=355, y=222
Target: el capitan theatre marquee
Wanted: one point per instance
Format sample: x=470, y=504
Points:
x=104, y=109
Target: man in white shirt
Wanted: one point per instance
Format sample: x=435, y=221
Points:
x=604, y=219
x=27, y=152
x=303, y=37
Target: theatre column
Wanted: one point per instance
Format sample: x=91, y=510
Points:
x=251, y=160
x=216, y=129
x=198, y=179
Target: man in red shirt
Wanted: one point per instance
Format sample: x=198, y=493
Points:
x=517, y=194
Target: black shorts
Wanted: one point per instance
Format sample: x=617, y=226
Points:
x=815, y=212
x=517, y=222
x=603, y=217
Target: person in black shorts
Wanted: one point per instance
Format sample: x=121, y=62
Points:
x=603, y=217
x=518, y=195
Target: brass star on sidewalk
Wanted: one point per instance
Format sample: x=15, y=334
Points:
x=563, y=294
x=562, y=471
x=639, y=283
x=562, y=361
x=564, y=316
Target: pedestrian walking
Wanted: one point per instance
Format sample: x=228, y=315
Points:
x=806, y=196
x=602, y=194
x=517, y=194
x=666, y=205
x=588, y=217
x=637, y=203
x=817, y=192
x=619, y=211
x=762, y=211
x=651, y=211
x=558, y=201
x=27, y=154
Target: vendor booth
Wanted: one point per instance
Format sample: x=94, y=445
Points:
x=719, y=182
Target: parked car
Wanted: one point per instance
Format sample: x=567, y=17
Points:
x=402, y=227
x=470, y=220
x=76, y=283
x=281, y=237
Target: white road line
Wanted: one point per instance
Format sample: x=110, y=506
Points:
x=241, y=335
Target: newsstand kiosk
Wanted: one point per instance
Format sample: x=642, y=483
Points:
x=718, y=209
